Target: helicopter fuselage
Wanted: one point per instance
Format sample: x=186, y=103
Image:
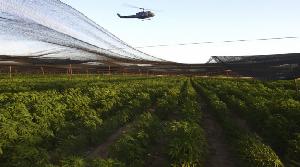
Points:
x=139, y=15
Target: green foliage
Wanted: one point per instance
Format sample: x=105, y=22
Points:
x=293, y=151
x=78, y=109
x=272, y=109
x=73, y=162
x=167, y=104
x=105, y=163
x=45, y=119
x=76, y=161
x=187, y=144
x=187, y=101
x=249, y=149
x=132, y=146
x=256, y=154
x=277, y=134
x=53, y=121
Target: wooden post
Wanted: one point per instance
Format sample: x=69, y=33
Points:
x=42, y=70
x=9, y=71
x=109, y=70
x=71, y=70
x=296, y=86
x=295, y=81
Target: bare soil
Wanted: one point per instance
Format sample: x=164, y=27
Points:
x=101, y=151
x=219, y=154
x=157, y=157
x=241, y=123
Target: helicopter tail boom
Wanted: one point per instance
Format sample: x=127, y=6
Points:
x=132, y=16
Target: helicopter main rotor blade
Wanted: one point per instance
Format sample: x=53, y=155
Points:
x=132, y=6
x=136, y=7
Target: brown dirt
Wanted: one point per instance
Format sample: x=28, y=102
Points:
x=157, y=156
x=241, y=123
x=102, y=149
x=219, y=154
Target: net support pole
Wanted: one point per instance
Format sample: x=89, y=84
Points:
x=9, y=71
x=295, y=81
x=71, y=70
x=296, y=86
x=42, y=68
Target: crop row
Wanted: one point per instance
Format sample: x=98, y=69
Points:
x=169, y=132
x=274, y=114
x=50, y=127
x=248, y=148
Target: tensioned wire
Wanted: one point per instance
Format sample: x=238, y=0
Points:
x=210, y=42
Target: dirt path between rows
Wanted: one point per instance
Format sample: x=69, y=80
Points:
x=219, y=154
x=102, y=149
x=240, y=122
x=157, y=157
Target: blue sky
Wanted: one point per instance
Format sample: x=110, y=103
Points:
x=199, y=21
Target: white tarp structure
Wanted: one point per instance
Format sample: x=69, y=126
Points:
x=50, y=29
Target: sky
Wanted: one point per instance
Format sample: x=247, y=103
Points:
x=189, y=21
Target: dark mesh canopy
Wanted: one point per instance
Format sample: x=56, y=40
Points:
x=51, y=35
x=280, y=66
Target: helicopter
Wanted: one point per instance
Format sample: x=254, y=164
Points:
x=144, y=14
